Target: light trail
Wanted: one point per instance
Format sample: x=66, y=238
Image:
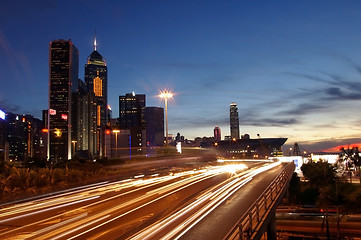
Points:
x=79, y=194
x=174, y=188
x=215, y=199
x=89, y=217
x=74, y=229
x=46, y=209
x=55, y=226
x=72, y=191
x=158, y=227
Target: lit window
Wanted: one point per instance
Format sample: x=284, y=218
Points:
x=98, y=88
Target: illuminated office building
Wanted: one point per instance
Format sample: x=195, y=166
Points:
x=63, y=84
x=234, y=121
x=24, y=138
x=131, y=110
x=86, y=134
x=131, y=116
x=96, y=80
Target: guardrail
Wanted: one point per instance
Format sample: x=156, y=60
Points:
x=252, y=220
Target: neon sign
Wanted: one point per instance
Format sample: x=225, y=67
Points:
x=2, y=115
x=52, y=112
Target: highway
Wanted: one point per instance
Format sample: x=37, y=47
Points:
x=178, y=205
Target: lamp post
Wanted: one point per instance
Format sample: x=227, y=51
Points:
x=166, y=95
x=73, y=142
x=116, y=131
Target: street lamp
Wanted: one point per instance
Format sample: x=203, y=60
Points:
x=116, y=141
x=73, y=142
x=166, y=95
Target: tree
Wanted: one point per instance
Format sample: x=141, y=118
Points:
x=323, y=176
x=319, y=174
x=351, y=158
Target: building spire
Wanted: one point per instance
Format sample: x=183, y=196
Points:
x=95, y=40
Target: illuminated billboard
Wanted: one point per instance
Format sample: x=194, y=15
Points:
x=2, y=114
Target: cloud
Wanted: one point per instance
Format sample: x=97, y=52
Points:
x=326, y=145
x=254, y=117
x=269, y=122
x=200, y=121
x=337, y=88
x=7, y=106
x=309, y=76
x=301, y=109
x=215, y=82
x=344, y=83
x=335, y=93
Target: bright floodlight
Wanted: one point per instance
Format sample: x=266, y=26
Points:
x=166, y=95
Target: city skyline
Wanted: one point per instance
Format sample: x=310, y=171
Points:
x=293, y=69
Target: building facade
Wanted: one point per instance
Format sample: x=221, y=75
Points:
x=24, y=138
x=131, y=117
x=234, y=121
x=87, y=130
x=63, y=85
x=247, y=148
x=154, y=121
x=96, y=81
x=217, y=134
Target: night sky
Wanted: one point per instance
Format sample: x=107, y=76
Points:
x=293, y=67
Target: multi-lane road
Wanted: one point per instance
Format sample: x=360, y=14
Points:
x=192, y=204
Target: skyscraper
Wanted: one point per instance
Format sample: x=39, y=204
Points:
x=24, y=138
x=96, y=80
x=63, y=84
x=131, y=110
x=87, y=130
x=234, y=121
x=154, y=121
x=217, y=134
x=131, y=116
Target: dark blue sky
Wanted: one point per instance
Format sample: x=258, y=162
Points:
x=293, y=67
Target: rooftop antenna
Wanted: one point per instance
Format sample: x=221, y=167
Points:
x=95, y=40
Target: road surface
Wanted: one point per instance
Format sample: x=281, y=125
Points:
x=192, y=204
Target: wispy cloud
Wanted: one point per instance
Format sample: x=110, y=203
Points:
x=194, y=65
x=303, y=108
x=336, y=93
x=8, y=106
x=269, y=122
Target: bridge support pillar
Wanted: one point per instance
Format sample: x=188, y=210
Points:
x=271, y=228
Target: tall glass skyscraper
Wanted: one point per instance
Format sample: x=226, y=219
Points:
x=63, y=85
x=234, y=121
x=96, y=80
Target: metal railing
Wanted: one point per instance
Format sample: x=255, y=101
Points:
x=251, y=221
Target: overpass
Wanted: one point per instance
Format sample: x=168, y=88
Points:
x=250, y=212
x=260, y=217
